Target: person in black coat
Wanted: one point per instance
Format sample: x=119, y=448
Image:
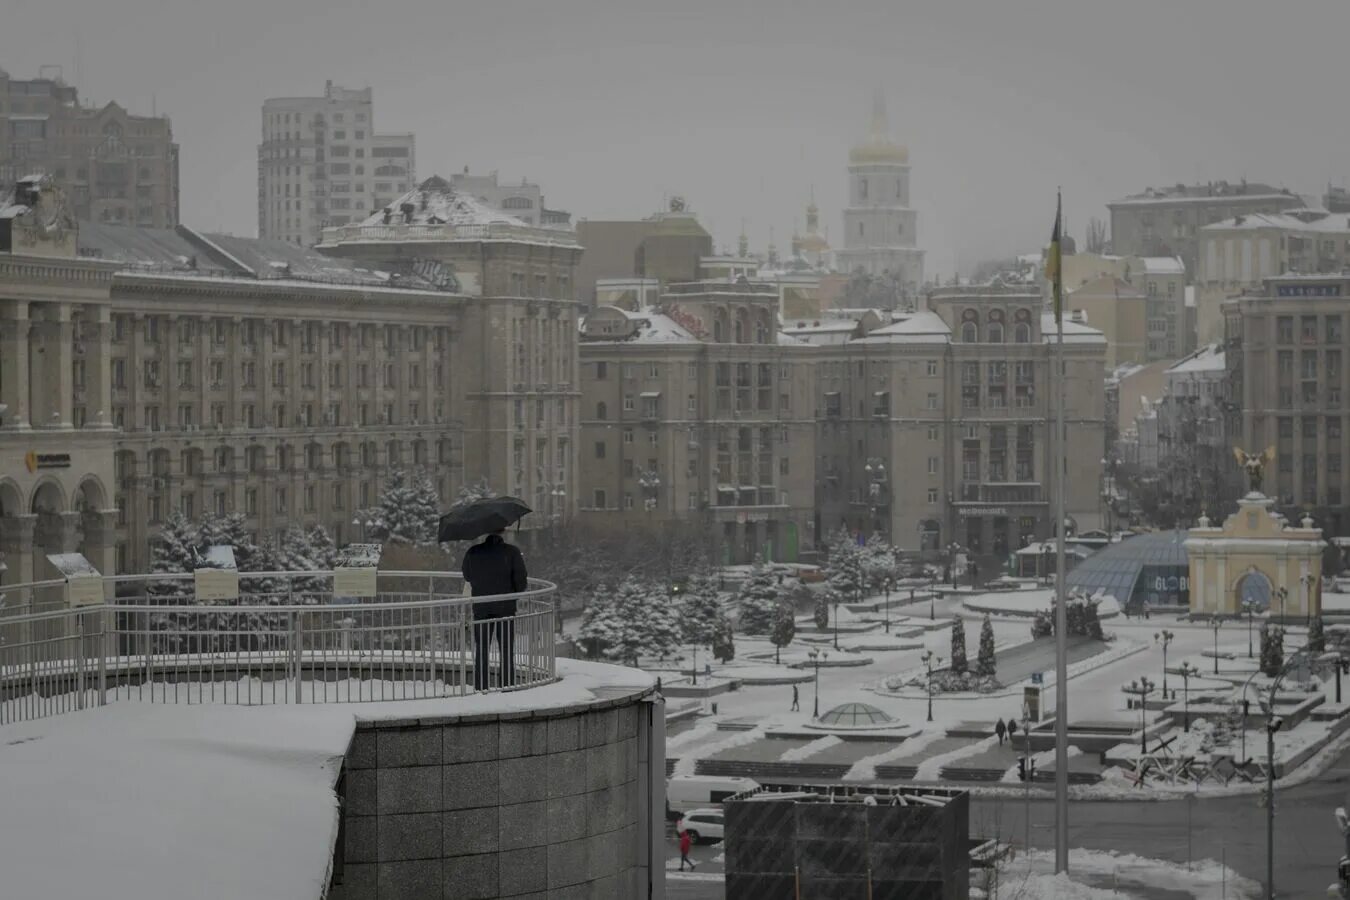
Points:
x=494, y=567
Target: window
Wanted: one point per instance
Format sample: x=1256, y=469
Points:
x=1310, y=428
x=627, y=501
x=862, y=188
x=969, y=332
x=1286, y=427
x=601, y=371
x=1285, y=362
x=932, y=465
x=932, y=495
x=280, y=493
x=601, y=411
x=628, y=403
x=1284, y=329
x=599, y=449
x=1308, y=329
x=628, y=435
x=932, y=432
x=932, y=401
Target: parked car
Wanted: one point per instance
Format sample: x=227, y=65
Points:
x=703, y=825
x=685, y=793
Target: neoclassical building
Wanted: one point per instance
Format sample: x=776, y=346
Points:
x=148, y=370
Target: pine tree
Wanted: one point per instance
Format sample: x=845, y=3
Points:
x=1042, y=624
x=820, y=611
x=322, y=548
x=700, y=610
x=1317, y=636
x=959, y=663
x=878, y=563
x=1092, y=623
x=1272, y=649
x=175, y=551
x=984, y=662
x=408, y=509
x=473, y=490
x=724, y=641
x=599, y=624
x=844, y=570
x=784, y=628
x=758, y=600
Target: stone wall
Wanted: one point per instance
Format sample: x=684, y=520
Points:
x=518, y=805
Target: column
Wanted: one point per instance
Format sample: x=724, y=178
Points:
x=16, y=542
x=14, y=326
x=97, y=338
x=1221, y=587
x=50, y=365
x=100, y=539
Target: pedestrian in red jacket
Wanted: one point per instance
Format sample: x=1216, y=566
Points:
x=685, y=844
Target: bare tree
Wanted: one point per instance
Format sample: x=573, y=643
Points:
x=1096, y=236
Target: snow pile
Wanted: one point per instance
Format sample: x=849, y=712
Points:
x=693, y=735
x=1054, y=887
x=797, y=754
x=865, y=769
x=1095, y=874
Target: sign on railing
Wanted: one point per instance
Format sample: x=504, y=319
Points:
x=356, y=571
x=218, y=578
x=84, y=583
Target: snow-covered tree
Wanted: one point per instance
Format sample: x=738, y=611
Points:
x=633, y=620
x=1272, y=649
x=1092, y=623
x=322, y=549
x=408, y=509
x=758, y=601
x=471, y=491
x=175, y=551
x=600, y=622
x=1042, y=624
x=878, y=564
x=658, y=622
x=984, y=661
x=959, y=664
x=820, y=610
x=724, y=641
x=784, y=628
x=700, y=610
x=844, y=568
x=1317, y=636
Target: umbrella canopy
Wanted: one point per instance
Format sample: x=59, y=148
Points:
x=473, y=520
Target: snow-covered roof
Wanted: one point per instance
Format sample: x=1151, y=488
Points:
x=1074, y=332
x=435, y=202
x=789, y=340
x=647, y=327
x=1211, y=192
x=1207, y=359
x=1335, y=224
x=819, y=326
x=1163, y=265
x=922, y=327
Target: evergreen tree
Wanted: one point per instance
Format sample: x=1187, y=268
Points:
x=844, y=570
x=820, y=611
x=700, y=610
x=724, y=641
x=599, y=624
x=322, y=549
x=175, y=551
x=878, y=563
x=1092, y=623
x=1272, y=649
x=1317, y=636
x=959, y=664
x=1042, y=624
x=784, y=628
x=758, y=600
x=471, y=491
x=408, y=509
x=984, y=662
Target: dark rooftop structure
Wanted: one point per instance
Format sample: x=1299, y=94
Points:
x=1152, y=568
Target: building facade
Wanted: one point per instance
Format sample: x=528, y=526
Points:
x=1117, y=309
x=321, y=162
x=1285, y=356
x=525, y=200
x=936, y=429
x=667, y=246
x=1167, y=221
x=881, y=228
x=113, y=166
x=1238, y=254
x=699, y=412
x=174, y=370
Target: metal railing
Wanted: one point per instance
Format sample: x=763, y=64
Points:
x=286, y=639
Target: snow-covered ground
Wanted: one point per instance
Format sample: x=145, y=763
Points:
x=1026, y=603
x=1095, y=875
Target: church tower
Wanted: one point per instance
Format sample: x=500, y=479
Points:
x=880, y=227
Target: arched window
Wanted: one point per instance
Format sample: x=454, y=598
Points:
x=601, y=411
x=994, y=335
x=970, y=332
x=1022, y=333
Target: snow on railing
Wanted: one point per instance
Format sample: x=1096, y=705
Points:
x=288, y=639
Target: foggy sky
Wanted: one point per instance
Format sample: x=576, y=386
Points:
x=742, y=107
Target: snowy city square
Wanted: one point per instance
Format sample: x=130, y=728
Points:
x=600, y=451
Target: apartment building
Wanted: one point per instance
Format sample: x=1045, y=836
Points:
x=1166, y=221
x=170, y=369
x=321, y=162
x=936, y=428
x=699, y=411
x=1285, y=355
x=113, y=166
x=1239, y=254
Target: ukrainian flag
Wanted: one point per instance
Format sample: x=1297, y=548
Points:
x=1052, y=261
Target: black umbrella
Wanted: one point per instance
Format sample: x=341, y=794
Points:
x=473, y=520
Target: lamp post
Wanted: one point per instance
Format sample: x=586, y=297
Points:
x=1164, y=638
x=1143, y=687
x=928, y=660
x=363, y=524
x=932, y=602
x=1283, y=593
x=888, y=582
x=1216, y=623
x=1309, y=583
x=1249, y=606
x=817, y=657
x=1186, y=672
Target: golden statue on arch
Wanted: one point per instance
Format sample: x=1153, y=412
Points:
x=1254, y=464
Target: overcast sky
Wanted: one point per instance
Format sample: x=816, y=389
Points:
x=742, y=107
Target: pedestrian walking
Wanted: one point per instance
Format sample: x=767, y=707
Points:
x=685, y=844
x=1012, y=729
x=494, y=567
x=796, y=707
x=707, y=670
x=1000, y=729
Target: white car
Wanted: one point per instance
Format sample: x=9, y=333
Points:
x=703, y=825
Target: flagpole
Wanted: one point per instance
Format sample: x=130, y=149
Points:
x=1061, y=612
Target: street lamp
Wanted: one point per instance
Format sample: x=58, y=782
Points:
x=817, y=657
x=928, y=660
x=1340, y=663
x=1283, y=593
x=1164, y=638
x=1249, y=606
x=1216, y=623
x=1309, y=582
x=363, y=524
x=1186, y=672
x=1143, y=687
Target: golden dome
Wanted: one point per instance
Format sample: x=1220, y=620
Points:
x=879, y=148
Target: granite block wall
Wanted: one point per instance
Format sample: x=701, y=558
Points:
x=519, y=805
